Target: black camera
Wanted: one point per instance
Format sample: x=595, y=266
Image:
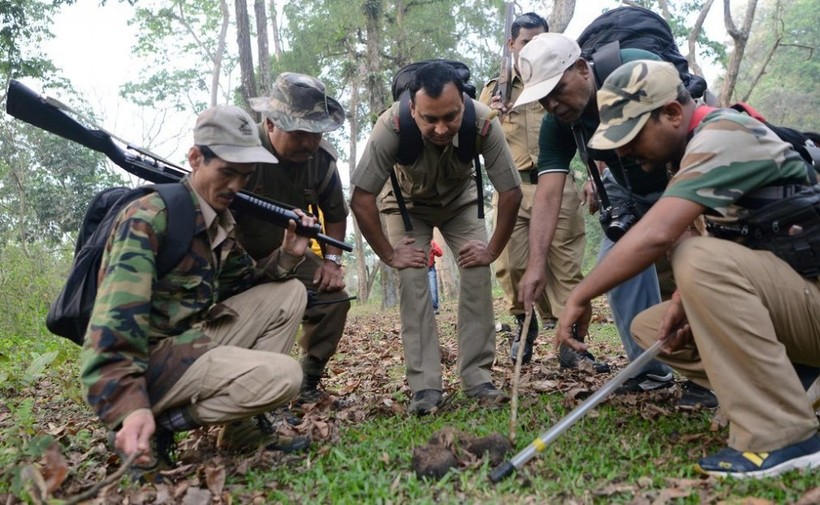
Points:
x=616, y=220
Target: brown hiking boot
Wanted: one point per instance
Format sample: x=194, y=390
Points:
x=251, y=434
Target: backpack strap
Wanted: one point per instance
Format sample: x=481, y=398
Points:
x=605, y=60
x=180, y=229
x=410, y=141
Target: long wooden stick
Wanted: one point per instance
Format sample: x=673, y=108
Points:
x=111, y=479
x=519, y=357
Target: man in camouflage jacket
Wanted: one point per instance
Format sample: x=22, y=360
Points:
x=208, y=342
x=740, y=316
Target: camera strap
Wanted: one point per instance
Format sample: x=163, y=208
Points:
x=581, y=144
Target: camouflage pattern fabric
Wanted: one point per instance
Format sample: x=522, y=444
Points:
x=299, y=102
x=627, y=97
x=145, y=332
x=718, y=177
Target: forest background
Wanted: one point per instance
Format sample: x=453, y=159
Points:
x=190, y=54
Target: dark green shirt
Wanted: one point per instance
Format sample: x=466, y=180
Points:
x=557, y=146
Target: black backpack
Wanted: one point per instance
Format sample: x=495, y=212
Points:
x=70, y=313
x=410, y=141
x=635, y=28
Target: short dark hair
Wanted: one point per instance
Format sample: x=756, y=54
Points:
x=207, y=153
x=683, y=98
x=527, y=20
x=432, y=77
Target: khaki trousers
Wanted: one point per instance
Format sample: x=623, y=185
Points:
x=323, y=325
x=564, y=259
x=249, y=371
x=476, y=323
x=752, y=316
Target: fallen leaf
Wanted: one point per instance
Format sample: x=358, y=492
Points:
x=544, y=386
x=197, y=496
x=55, y=468
x=810, y=497
x=34, y=483
x=215, y=479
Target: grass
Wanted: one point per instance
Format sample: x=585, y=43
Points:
x=625, y=451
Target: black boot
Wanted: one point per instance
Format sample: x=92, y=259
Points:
x=310, y=392
x=532, y=333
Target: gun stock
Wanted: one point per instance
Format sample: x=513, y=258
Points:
x=505, y=78
x=49, y=114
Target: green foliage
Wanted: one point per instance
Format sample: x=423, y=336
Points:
x=787, y=93
x=24, y=26
x=187, y=33
x=46, y=183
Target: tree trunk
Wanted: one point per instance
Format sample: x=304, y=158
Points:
x=358, y=241
x=220, y=51
x=740, y=37
x=277, y=36
x=378, y=97
x=262, y=46
x=562, y=12
x=243, y=41
x=692, y=57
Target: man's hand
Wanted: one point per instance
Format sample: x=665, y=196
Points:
x=674, y=329
x=496, y=104
x=407, y=255
x=531, y=286
x=135, y=435
x=294, y=244
x=589, y=197
x=575, y=312
x=329, y=278
x=475, y=253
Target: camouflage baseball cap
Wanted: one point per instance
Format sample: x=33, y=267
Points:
x=627, y=97
x=298, y=102
x=231, y=134
x=542, y=63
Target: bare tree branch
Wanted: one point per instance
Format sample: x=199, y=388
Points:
x=692, y=57
x=740, y=38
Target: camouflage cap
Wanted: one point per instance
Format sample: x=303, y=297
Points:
x=231, y=134
x=542, y=63
x=298, y=102
x=627, y=97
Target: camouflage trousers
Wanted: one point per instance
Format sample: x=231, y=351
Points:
x=752, y=316
x=250, y=371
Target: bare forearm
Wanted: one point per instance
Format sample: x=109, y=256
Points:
x=546, y=208
x=337, y=231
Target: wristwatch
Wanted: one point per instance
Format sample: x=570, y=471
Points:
x=335, y=258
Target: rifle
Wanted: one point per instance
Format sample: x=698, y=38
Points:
x=51, y=115
x=504, y=85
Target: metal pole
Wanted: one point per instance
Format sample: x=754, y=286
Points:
x=539, y=444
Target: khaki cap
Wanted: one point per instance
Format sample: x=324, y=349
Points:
x=231, y=134
x=542, y=62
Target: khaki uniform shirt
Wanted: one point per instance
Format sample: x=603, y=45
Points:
x=438, y=177
x=521, y=125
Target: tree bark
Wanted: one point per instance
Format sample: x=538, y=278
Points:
x=562, y=12
x=692, y=40
x=262, y=46
x=740, y=38
x=277, y=36
x=243, y=41
x=220, y=51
